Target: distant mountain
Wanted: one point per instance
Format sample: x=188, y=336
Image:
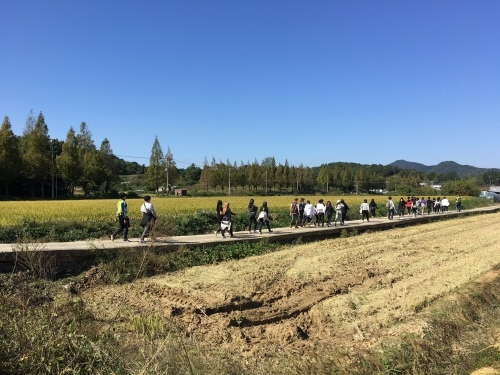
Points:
x=443, y=168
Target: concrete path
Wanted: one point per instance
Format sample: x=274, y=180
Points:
x=67, y=251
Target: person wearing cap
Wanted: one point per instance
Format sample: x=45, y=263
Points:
x=122, y=214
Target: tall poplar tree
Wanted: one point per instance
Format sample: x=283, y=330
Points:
x=36, y=152
x=155, y=175
x=10, y=158
x=68, y=163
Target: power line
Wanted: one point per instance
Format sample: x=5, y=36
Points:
x=144, y=157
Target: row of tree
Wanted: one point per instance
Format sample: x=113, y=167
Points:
x=34, y=159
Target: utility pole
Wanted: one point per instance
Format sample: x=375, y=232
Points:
x=52, y=167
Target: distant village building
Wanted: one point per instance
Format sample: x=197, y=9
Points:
x=180, y=192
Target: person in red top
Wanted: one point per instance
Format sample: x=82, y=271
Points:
x=409, y=202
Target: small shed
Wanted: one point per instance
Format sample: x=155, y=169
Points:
x=180, y=192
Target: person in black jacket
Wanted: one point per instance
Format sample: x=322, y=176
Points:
x=226, y=222
x=252, y=213
x=373, y=208
x=329, y=213
x=218, y=210
x=264, y=217
x=344, y=211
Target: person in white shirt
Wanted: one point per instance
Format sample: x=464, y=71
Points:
x=308, y=213
x=320, y=211
x=363, y=210
x=444, y=204
x=148, y=217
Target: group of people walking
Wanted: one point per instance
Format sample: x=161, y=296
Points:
x=148, y=218
x=302, y=212
x=255, y=216
x=413, y=206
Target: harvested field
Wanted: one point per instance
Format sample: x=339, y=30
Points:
x=350, y=293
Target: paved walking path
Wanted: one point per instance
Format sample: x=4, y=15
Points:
x=68, y=251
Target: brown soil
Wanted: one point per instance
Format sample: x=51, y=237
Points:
x=347, y=293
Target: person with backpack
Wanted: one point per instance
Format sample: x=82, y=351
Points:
x=294, y=213
x=301, y=212
x=252, y=213
x=329, y=213
x=123, y=220
x=148, y=217
x=264, y=217
x=390, y=208
x=373, y=207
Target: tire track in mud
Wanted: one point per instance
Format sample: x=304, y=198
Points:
x=281, y=302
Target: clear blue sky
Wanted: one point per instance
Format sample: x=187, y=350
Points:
x=309, y=81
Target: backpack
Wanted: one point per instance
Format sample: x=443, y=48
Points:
x=387, y=204
x=293, y=208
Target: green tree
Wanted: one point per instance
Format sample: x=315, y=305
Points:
x=10, y=158
x=36, y=152
x=110, y=166
x=68, y=163
x=324, y=176
x=155, y=175
x=172, y=173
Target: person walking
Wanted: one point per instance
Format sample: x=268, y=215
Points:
x=264, y=217
x=373, y=208
x=218, y=211
x=123, y=220
x=294, y=213
x=363, y=210
x=458, y=204
x=391, y=208
x=301, y=211
x=148, y=217
x=429, y=205
x=445, y=203
x=401, y=207
x=409, y=202
x=345, y=208
x=423, y=205
x=329, y=213
x=320, y=213
x=252, y=213
x=339, y=208
x=226, y=222
x=308, y=213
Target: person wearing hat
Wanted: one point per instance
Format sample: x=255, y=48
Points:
x=122, y=214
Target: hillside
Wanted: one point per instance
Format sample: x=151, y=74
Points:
x=443, y=168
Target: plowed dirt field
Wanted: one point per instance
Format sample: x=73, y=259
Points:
x=346, y=292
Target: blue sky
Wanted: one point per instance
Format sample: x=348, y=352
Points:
x=310, y=82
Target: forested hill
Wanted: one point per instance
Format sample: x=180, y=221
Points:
x=443, y=168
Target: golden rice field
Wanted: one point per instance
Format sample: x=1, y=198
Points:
x=103, y=210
